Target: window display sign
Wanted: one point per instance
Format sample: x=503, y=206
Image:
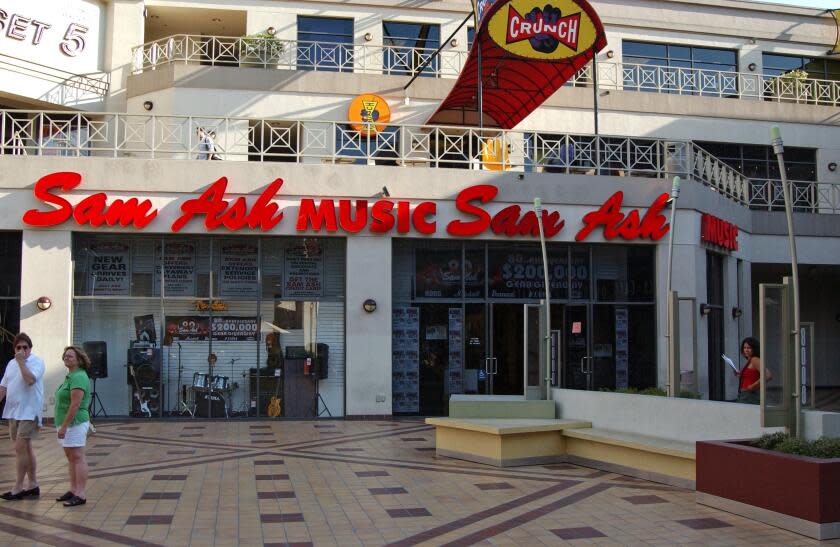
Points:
x=456, y=354
x=519, y=274
x=303, y=275
x=234, y=329
x=622, y=350
x=109, y=269
x=196, y=328
x=179, y=268
x=405, y=384
x=439, y=273
x=238, y=272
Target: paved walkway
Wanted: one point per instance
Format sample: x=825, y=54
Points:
x=341, y=483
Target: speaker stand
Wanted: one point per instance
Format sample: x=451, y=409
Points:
x=93, y=400
x=321, y=400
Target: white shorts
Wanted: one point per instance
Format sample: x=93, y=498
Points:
x=76, y=436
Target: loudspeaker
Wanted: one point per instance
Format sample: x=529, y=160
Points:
x=98, y=353
x=154, y=395
x=146, y=363
x=321, y=362
x=216, y=405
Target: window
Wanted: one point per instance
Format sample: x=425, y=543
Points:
x=408, y=46
x=470, y=37
x=817, y=68
x=384, y=146
x=758, y=163
x=325, y=44
x=687, y=70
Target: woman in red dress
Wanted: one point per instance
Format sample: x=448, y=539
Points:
x=749, y=389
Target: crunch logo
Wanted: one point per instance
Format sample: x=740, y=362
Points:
x=544, y=28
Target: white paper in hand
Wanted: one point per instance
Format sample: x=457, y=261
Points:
x=729, y=362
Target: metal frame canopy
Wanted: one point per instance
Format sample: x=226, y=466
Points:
x=527, y=49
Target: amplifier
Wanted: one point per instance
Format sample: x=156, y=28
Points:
x=146, y=363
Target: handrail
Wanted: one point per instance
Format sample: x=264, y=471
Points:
x=117, y=135
x=277, y=53
x=95, y=84
x=382, y=59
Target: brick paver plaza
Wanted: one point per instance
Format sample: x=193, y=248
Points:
x=341, y=483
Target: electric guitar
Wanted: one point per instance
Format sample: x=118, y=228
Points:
x=138, y=394
x=274, y=404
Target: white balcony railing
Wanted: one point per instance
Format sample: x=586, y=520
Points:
x=711, y=83
x=806, y=196
x=397, y=60
x=295, y=55
x=66, y=88
x=40, y=133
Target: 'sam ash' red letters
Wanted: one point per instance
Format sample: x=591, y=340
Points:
x=505, y=222
x=218, y=212
x=94, y=210
x=653, y=226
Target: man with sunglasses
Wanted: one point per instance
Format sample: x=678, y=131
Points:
x=23, y=388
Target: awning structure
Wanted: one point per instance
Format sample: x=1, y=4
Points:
x=529, y=49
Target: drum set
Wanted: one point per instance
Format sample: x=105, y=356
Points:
x=210, y=394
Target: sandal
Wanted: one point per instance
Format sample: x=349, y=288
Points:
x=8, y=496
x=67, y=496
x=74, y=501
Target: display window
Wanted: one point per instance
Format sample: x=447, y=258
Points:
x=468, y=319
x=212, y=326
x=10, y=258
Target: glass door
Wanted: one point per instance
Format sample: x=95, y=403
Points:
x=535, y=352
x=578, y=366
x=506, y=360
x=476, y=359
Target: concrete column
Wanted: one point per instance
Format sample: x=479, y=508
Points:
x=47, y=251
x=124, y=30
x=368, y=342
x=731, y=331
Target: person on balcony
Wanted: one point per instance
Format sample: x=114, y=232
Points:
x=206, y=146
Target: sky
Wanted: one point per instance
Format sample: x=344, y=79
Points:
x=825, y=4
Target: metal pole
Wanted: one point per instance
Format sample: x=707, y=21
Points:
x=675, y=193
x=779, y=149
x=480, y=91
x=595, y=111
x=538, y=211
x=436, y=53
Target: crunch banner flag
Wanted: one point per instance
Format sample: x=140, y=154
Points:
x=836, y=49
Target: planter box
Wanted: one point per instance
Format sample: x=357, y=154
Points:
x=796, y=493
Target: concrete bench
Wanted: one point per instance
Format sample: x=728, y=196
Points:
x=503, y=442
x=653, y=458
x=499, y=407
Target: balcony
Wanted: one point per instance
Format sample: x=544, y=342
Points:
x=396, y=60
x=272, y=53
x=54, y=85
x=63, y=134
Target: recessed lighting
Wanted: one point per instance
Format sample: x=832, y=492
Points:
x=216, y=20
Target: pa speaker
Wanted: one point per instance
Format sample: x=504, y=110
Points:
x=98, y=353
x=146, y=363
x=322, y=361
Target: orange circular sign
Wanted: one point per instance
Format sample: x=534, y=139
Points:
x=369, y=114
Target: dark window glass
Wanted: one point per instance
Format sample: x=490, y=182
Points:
x=470, y=37
x=818, y=69
x=321, y=44
x=679, y=57
x=382, y=146
x=409, y=45
x=759, y=162
x=10, y=256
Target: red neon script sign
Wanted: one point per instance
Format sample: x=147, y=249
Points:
x=349, y=216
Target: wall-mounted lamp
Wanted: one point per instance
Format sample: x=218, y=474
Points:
x=453, y=42
x=385, y=194
x=369, y=305
x=705, y=309
x=368, y=37
x=148, y=105
x=271, y=31
x=521, y=176
x=832, y=167
x=737, y=312
x=752, y=67
x=44, y=303
x=610, y=54
x=752, y=41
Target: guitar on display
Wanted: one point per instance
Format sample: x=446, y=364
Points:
x=138, y=394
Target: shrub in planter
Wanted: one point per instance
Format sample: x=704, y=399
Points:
x=261, y=48
x=825, y=447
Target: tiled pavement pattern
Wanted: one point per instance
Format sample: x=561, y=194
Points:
x=156, y=483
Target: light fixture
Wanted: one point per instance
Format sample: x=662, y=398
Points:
x=407, y=101
x=369, y=305
x=752, y=67
x=453, y=42
x=44, y=303
x=368, y=37
x=271, y=31
x=521, y=176
x=148, y=105
x=737, y=312
x=216, y=20
x=832, y=167
x=385, y=193
x=705, y=309
x=610, y=54
x=752, y=41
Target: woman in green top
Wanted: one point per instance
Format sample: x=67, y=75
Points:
x=72, y=400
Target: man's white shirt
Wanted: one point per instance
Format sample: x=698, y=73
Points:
x=24, y=402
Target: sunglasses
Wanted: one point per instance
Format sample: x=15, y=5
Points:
x=21, y=347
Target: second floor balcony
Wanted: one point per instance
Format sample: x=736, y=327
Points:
x=271, y=53
x=63, y=134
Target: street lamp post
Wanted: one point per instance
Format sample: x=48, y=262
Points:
x=538, y=211
x=779, y=150
x=673, y=389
